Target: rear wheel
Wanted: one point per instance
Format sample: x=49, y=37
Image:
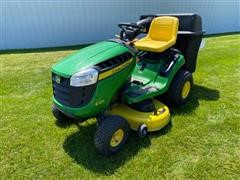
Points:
x=111, y=135
x=180, y=88
x=60, y=117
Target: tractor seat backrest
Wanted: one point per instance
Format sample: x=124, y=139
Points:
x=164, y=28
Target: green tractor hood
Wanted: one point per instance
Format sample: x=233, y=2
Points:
x=87, y=57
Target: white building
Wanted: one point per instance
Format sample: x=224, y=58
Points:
x=41, y=23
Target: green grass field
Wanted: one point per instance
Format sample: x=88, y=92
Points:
x=202, y=142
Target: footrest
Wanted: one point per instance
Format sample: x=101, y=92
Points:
x=139, y=93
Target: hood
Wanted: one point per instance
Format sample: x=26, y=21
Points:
x=87, y=57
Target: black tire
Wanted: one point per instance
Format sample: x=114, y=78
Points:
x=142, y=131
x=60, y=117
x=105, y=132
x=174, y=94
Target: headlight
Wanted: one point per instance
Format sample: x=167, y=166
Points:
x=84, y=78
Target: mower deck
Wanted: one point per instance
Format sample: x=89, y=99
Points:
x=153, y=120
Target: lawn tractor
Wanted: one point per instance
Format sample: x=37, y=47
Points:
x=120, y=81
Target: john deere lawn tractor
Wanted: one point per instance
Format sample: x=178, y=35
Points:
x=119, y=81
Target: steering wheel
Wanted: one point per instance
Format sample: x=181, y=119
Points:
x=130, y=30
x=131, y=27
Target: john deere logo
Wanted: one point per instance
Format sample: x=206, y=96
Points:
x=58, y=79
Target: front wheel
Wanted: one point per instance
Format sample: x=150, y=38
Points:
x=60, y=117
x=180, y=87
x=111, y=135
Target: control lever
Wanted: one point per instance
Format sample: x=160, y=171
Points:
x=170, y=65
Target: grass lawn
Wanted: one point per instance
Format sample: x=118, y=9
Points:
x=202, y=142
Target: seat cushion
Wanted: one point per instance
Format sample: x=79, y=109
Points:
x=146, y=44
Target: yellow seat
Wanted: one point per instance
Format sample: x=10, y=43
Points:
x=162, y=35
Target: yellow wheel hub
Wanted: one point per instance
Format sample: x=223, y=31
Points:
x=117, y=138
x=186, y=89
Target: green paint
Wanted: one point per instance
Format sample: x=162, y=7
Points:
x=87, y=57
x=109, y=87
x=103, y=95
x=153, y=83
x=106, y=88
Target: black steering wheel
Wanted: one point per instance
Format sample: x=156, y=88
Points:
x=131, y=27
x=130, y=30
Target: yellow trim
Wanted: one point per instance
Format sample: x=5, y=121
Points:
x=117, y=138
x=135, y=118
x=114, y=70
x=186, y=89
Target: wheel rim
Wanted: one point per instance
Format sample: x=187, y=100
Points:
x=117, y=138
x=186, y=89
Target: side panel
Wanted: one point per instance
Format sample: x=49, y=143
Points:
x=153, y=84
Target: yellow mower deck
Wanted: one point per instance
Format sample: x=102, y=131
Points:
x=135, y=118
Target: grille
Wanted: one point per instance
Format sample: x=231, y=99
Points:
x=115, y=61
x=71, y=96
